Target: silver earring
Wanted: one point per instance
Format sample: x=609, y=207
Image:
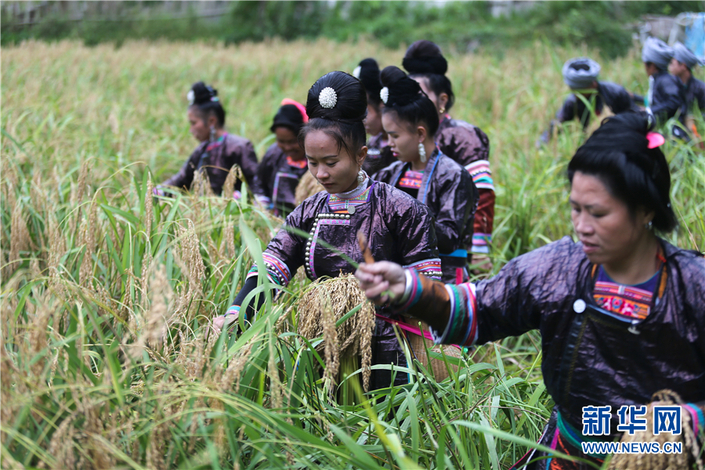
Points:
x=422, y=153
x=361, y=176
x=212, y=134
x=649, y=225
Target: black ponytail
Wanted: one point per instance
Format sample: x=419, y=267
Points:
x=617, y=153
x=205, y=99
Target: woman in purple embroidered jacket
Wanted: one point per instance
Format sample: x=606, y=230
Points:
x=423, y=172
x=379, y=155
x=462, y=142
x=218, y=150
x=284, y=163
x=397, y=227
x=621, y=313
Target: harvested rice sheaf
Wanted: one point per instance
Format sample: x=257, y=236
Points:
x=336, y=297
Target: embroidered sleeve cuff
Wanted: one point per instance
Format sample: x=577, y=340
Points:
x=233, y=310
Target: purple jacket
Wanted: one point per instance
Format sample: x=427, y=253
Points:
x=397, y=228
x=591, y=357
x=277, y=179
x=462, y=142
x=450, y=194
x=217, y=158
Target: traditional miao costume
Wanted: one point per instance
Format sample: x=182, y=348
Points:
x=397, y=228
x=602, y=343
x=450, y=194
x=664, y=98
x=581, y=73
x=217, y=158
x=694, y=90
x=278, y=176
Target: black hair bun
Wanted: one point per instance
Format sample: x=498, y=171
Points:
x=402, y=89
x=202, y=93
x=425, y=57
x=369, y=75
x=337, y=96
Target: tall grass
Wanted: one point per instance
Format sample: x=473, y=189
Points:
x=107, y=356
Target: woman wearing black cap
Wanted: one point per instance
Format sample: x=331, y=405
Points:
x=397, y=227
x=379, y=155
x=218, y=150
x=284, y=163
x=463, y=142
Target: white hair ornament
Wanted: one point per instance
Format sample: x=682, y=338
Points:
x=384, y=94
x=328, y=98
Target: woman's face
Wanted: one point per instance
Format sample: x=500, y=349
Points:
x=199, y=129
x=373, y=121
x=288, y=143
x=403, y=140
x=335, y=169
x=608, y=232
x=676, y=68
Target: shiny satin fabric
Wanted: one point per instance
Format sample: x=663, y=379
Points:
x=233, y=150
x=398, y=228
x=450, y=194
x=276, y=181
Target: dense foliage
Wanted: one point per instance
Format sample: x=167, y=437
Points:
x=604, y=25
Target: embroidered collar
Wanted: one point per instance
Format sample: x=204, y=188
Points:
x=348, y=202
x=217, y=143
x=296, y=164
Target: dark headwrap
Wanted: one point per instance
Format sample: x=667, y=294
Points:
x=657, y=52
x=580, y=73
x=684, y=55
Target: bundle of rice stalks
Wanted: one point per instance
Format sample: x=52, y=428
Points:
x=322, y=305
x=418, y=346
x=307, y=187
x=689, y=458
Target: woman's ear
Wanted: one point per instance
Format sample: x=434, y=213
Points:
x=442, y=101
x=212, y=121
x=421, y=132
x=361, y=155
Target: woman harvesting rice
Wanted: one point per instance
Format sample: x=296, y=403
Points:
x=398, y=228
x=284, y=163
x=218, y=150
x=620, y=312
x=423, y=172
x=463, y=142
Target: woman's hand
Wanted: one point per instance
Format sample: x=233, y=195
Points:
x=224, y=321
x=381, y=279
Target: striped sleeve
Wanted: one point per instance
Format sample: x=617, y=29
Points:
x=277, y=270
x=481, y=174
